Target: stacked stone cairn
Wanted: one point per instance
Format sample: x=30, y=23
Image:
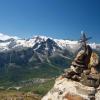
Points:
x=85, y=68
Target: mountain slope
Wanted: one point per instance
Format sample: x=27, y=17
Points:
x=40, y=56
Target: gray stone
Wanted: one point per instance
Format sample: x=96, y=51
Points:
x=76, y=78
x=86, y=72
x=90, y=80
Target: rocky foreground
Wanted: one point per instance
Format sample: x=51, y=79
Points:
x=82, y=80
x=67, y=89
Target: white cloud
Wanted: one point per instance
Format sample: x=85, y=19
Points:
x=5, y=37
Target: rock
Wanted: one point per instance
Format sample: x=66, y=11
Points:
x=78, y=61
x=66, y=89
x=86, y=72
x=80, y=55
x=94, y=70
x=88, y=55
x=82, y=60
x=83, y=57
x=97, y=95
x=94, y=60
x=76, y=78
x=69, y=73
x=76, y=69
x=92, y=80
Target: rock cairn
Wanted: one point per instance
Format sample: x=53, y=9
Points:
x=82, y=80
x=85, y=68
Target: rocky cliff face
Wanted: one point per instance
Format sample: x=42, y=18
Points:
x=66, y=89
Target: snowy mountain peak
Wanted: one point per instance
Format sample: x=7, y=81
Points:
x=41, y=36
x=13, y=42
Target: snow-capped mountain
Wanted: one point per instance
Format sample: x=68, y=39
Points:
x=39, y=42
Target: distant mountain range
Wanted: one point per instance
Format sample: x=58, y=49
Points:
x=37, y=57
x=8, y=43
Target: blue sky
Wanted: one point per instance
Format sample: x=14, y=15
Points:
x=55, y=18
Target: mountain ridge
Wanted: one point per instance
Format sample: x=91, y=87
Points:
x=12, y=42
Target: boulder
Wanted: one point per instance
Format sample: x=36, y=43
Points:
x=97, y=95
x=94, y=70
x=94, y=60
x=66, y=89
x=92, y=80
x=87, y=72
x=69, y=73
